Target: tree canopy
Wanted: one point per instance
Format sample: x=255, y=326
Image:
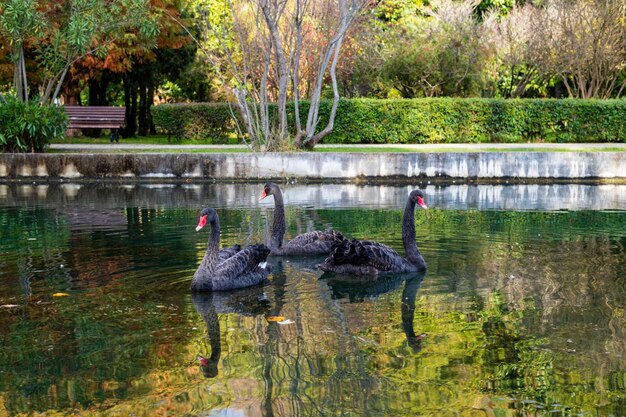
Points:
x=252, y=53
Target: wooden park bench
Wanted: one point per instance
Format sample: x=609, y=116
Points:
x=97, y=117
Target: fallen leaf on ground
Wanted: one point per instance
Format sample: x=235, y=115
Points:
x=274, y=318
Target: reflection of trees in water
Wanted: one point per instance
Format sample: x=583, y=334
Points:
x=34, y=241
x=322, y=365
x=316, y=366
x=73, y=352
x=575, y=280
x=558, y=267
x=356, y=386
x=527, y=298
x=288, y=360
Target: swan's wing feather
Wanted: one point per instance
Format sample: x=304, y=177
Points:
x=379, y=256
x=242, y=262
x=364, y=253
x=313, y=242
x=246, y=268
x=227, y=252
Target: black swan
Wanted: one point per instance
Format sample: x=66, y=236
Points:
x=307, y=244
x=365, y=257
x=231, y=268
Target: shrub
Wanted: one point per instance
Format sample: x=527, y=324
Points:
x=195, y=121
x=431, y=120
x=28, y=126
x=450, y=120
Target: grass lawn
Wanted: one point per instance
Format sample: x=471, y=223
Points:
x=207, y=146
x=151, y=150
x=469, y=148
x=139, y=140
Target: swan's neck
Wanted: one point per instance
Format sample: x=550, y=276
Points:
x=279, y=226
x=209, y=262
x=413, y=254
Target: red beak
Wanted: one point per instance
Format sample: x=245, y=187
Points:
x=201, y=223
x=263, y=195
x=421, y=203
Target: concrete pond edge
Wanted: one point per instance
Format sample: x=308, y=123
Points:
x=319, y=167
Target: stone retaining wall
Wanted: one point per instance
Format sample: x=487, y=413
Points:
x=490, y=166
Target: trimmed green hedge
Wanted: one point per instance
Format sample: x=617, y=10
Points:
x=29, y=126
x=437, y=120
x=195, y=121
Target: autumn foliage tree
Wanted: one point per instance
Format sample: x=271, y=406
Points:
x=137, y=65
x=58, y=34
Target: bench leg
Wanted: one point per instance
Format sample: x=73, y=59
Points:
x=115, y=135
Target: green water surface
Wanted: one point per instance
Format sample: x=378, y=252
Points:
x=521, y=313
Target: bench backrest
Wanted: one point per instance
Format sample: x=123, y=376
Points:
x=104, y=117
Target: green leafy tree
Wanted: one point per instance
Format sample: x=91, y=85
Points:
x=21, y=23
x=440, y=53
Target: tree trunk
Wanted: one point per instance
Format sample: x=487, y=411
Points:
x=271, y=17
x=348, y=10
x=20, y=82
x=71, y=97
x=150, y=102
x=130, y=101
x=97, y=97
x=142, y=116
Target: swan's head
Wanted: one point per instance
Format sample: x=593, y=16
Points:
x=417, y=196
x=206, y=215
x=269, y=189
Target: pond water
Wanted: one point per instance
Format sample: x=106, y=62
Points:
x=522, y=311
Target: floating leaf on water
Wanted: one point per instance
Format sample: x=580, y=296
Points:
x=274, y=318
x=60, y=294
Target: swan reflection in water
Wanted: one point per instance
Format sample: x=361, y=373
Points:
x=358, y=289
x=246, y=302
x=253, y=301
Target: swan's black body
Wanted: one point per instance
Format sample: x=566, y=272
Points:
x=365, y=257
x=307, y=244
x=231, y=268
